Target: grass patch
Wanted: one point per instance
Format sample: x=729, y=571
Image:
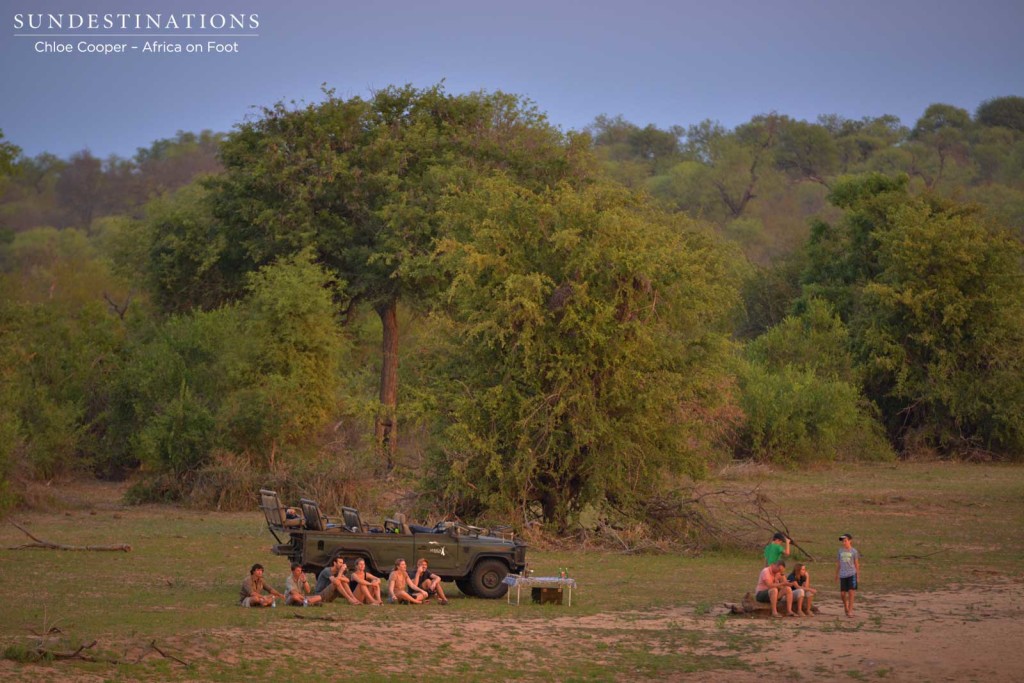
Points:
x=179, y=585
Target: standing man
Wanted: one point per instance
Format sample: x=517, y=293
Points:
x=847, y=572
x=251, y=594
x=775, y=550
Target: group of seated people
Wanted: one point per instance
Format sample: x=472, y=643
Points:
x=358, y=587
x=775, y=586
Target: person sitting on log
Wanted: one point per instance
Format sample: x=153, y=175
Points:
x=771, y=584
x=800, y=580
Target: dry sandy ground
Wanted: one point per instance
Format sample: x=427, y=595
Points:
x=971, y=632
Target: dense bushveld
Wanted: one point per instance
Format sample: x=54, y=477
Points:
x=587, y=322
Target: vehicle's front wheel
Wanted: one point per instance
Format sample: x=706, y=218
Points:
x=486, y=579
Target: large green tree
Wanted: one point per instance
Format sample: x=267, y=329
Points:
x=583, y=348
x=1007, y=112
x=932, y=296
x=8, y=154
x=359, y=181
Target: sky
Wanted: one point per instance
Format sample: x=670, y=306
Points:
x=662, y=62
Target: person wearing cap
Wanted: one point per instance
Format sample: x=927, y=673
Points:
x=776, y=549
x=251, y=594
x=847, y=572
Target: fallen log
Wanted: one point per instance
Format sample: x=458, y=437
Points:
x=44, y=653
x=752, y=607
x=50, y=545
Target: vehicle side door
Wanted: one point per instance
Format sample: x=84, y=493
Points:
x=441, y=551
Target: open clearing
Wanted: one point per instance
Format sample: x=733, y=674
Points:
x=942, y=597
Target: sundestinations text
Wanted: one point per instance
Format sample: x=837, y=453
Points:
x=124, y=21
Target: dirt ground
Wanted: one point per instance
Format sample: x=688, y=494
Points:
x=971, y=632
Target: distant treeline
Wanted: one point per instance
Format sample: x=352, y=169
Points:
x=585, y=320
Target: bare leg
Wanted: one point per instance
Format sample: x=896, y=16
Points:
x=853, y=594
x=404, y=595
x=773, y=598
x=261, y=600
x=789, y=601
x=341, y=585
x=808, y=603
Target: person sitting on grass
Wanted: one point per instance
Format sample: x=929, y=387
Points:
x=296, y=588
x=772, y=584
x=332, y=582
x=251, y=594
x=775, y=550
x=365, y=586
x=428, y=581
x=400, y=587
x=800, y=580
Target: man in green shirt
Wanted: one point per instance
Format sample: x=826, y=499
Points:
x=775, y=550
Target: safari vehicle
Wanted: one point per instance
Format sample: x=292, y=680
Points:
x=477, y=559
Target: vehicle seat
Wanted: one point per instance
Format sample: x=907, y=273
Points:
x=276, y=513
x=315, y=520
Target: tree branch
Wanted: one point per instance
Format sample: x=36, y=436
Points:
x=50, y=545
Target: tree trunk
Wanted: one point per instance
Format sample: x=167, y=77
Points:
x=386, y=428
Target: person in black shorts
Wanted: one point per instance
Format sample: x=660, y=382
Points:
x=772, y=587
x=427, y=581
x=847, y=572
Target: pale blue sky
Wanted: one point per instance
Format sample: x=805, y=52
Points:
x=653, y=62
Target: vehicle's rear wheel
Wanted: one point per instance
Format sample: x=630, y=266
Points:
x=465, y=586
x=486, y=579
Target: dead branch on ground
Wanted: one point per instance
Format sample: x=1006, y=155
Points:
x=167, y=656
x=44, y=653
x=50, y=545
x=913, y=557
x=720, y=517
